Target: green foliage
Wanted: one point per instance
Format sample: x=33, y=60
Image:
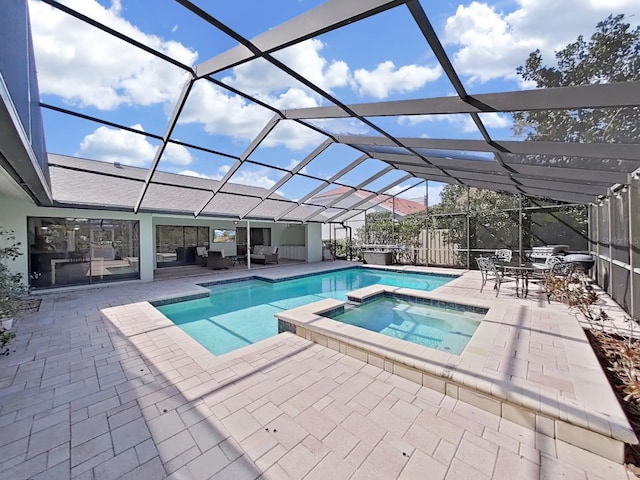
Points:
x=340, y=247
x=408, y=230
x=377, y=230
x=611, y=55
x=5, y=336
x=11, y=286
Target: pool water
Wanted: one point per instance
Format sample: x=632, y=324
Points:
x=435, y=327
x=241, y=313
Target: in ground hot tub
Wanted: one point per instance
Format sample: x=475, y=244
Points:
x=582, y=261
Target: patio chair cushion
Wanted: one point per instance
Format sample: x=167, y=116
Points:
x=264, y=254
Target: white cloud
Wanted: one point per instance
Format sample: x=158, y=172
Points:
x=462, y=121
x=492, y=43
x=232, y=116
x=495, y=120
x=386, y=79
x=89, y=68
x=128, y=148
x=257, y=177
x=222, y=114
x=293, y=163
x=221, y=171
x=260, y=78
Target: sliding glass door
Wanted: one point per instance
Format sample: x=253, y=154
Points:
x=76, y=251
x=176, y=245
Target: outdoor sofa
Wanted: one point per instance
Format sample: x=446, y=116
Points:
x=264, y=254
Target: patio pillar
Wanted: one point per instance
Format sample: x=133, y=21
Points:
x=248, y=245
x=425, y=240
x=147, y=247
x=611, y=282
x=520, y=252
x=634, y=275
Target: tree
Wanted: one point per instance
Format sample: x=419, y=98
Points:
x=377, y=230
x=611, y=55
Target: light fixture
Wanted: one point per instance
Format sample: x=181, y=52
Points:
x=636, y=175
x=624, y=189
x=235, y=222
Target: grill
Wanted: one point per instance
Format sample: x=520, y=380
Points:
x=540, y=254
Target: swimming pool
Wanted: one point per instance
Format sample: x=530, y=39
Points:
x=431, y=326
x=241, y=313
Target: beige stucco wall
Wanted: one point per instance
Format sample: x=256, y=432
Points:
x=14, y=213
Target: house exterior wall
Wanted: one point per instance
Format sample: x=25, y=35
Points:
x=337, y=232
x=14, y=213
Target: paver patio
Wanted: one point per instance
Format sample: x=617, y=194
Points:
x=97, y=390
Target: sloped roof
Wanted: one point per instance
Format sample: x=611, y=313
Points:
x=92, y=184
x=400, y=205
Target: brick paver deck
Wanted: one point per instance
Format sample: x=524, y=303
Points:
x=99, y=389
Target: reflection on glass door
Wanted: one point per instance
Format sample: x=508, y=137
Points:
x=76, y=251
x=176, y=245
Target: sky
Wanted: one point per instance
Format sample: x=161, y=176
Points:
x=381, y=58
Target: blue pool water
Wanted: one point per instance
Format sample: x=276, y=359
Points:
x=435, y=327
x=241, y=313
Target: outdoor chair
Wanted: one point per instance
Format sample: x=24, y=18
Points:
x=503, y=254
x=201, y=256
x=560, y=271
x=264, y=254
x=216, y=260
x=541, y=273
x=488, y=270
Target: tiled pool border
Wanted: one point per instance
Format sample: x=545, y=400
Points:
x=313, y=274
x=453, y=375
x=247, y=278
x=415, y=299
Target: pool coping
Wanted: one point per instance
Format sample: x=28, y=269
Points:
x=593, y=420
x=204, y=287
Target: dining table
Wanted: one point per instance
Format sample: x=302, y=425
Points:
x=521, y=272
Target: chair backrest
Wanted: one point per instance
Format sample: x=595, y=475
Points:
x=562, y=268
x=201, y=251
x=485, y=263
x=503, y=254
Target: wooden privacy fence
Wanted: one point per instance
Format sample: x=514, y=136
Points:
x=431, y=248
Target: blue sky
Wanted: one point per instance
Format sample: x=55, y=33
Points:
x=378, y=59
